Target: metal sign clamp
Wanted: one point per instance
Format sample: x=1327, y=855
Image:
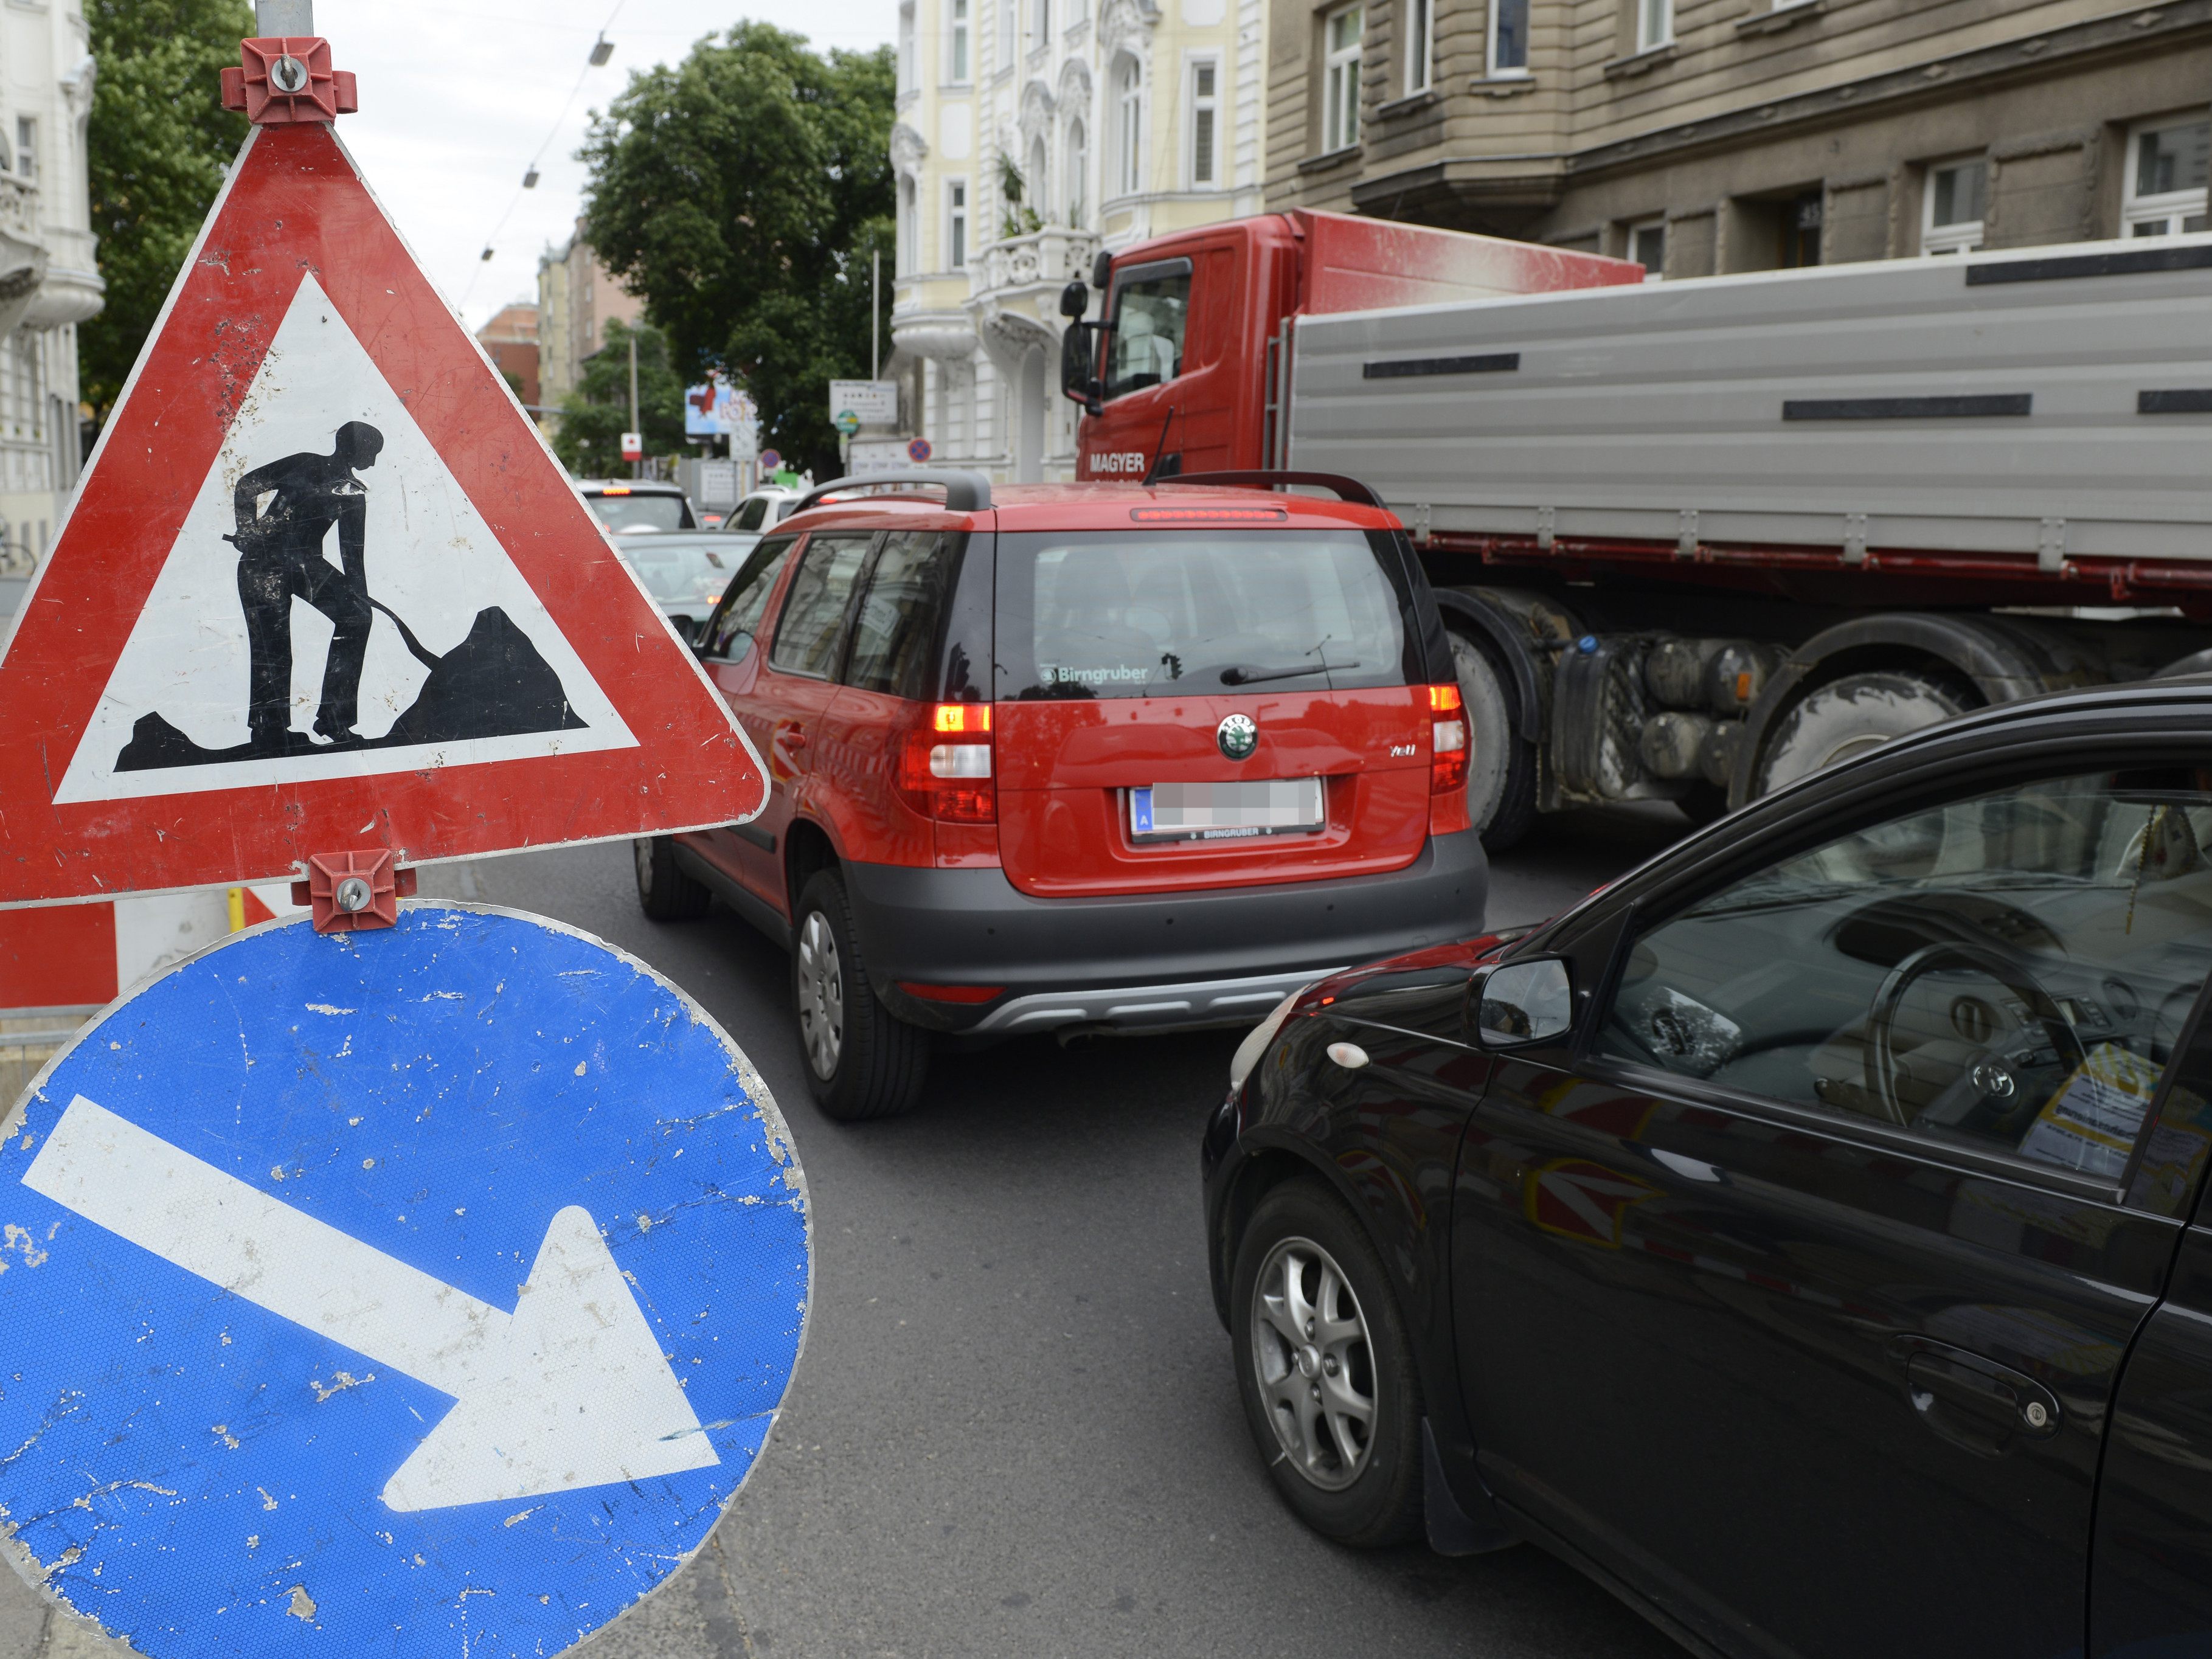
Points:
x=352, y=891
x=283, y=79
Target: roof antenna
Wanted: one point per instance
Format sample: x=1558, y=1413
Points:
x=1159, y=449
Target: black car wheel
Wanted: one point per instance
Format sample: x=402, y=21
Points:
x=860, y=1061
x=665, y=892
x=1325, y=1370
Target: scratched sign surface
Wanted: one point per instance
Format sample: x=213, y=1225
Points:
x=323, y=588
x=428, y=1290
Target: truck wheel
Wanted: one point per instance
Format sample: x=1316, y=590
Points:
x=861, y=1062
x=665, y=892
x=1848, y=716
x=1501, y=767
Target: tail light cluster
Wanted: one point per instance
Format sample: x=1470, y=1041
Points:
x=1447, y=740
x=944, y=769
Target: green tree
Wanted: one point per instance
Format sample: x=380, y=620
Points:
x=157, y=144
x=596, y=414
x=740, y=194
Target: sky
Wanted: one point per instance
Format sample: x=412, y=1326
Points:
x=445, y=139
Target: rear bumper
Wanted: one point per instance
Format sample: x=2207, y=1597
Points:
x=1155, y=960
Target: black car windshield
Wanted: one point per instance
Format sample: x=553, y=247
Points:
x=659, y=509
x=1116, y=614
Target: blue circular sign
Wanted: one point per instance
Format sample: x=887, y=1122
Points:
x=430, y=1290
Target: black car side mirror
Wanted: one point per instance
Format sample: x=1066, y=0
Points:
x=1523, y=1003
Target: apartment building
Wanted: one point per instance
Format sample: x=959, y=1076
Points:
x=510, y=340
x=1699, y=136
x=576, y=301
x=1031, y=134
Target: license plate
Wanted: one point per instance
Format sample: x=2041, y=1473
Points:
x=1226, y=811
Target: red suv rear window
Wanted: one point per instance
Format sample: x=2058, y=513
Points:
x=1151, y=614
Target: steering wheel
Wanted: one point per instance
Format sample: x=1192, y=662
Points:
x=1881, y=1063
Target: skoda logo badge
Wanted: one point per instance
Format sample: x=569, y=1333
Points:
x=1238, y=737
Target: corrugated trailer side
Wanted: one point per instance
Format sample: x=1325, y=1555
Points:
x=2030, y=403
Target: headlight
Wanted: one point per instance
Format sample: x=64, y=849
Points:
x=1257, y=1039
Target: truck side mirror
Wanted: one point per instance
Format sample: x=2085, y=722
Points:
x=1076, y=383
x=1074, y=300
x=1102, y=267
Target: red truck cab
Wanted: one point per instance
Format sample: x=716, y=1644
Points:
x=1185, y=373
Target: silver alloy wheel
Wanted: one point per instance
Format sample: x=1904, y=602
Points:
x=821, y=995
x=1315, y=1365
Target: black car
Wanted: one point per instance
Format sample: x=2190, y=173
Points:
x=1803, y=1235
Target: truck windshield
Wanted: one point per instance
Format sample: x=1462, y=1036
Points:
x=1146, y=346
x=1114, y=614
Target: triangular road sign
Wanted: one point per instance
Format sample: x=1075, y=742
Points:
x=324, y=588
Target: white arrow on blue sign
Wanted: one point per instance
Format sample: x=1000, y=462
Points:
x=434, y=1284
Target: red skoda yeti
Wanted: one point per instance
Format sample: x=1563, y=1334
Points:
x=1105, y=756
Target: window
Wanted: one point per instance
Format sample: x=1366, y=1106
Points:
x=1129, y=127
x=810, y=635
x=1037, y=177
x=1508, y=37
x=955, y=225
x=1655, y=23
x=1202, y=128
x=2011, y=971
x=1078, y=162
x=895, y=632
x=753, y=515
x=2166, y=168
x=906, y=80
x=1953, y=203
x=1420, y=30
x=906, y=260
x=1341, y=31
x=958, y=65
x=1647, y=246
x=1109, y=614
x=1801, y=222
x=1041, y=23
x=1150, y=309
x=1007, y=45
x=27, y=149
x=728, y=635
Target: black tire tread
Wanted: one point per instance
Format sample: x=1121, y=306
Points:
x=1517, y=807
x=673, y=894
x=884, y=1061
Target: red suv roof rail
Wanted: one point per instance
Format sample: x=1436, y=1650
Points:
x=965, y=492
x=1347, y=489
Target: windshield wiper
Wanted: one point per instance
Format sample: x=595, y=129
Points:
x=1239, y=675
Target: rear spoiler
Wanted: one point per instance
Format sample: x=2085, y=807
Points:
x=1345, y=489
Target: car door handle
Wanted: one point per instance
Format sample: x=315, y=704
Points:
x=1972, y=1401
x=791, y=737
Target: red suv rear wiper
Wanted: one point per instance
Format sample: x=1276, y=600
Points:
x=1240, y=676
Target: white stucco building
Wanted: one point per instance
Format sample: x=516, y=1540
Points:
x=49, y=283
x=1030, y=133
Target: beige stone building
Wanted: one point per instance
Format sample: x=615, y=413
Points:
x=1706, y=136
x=576, y=301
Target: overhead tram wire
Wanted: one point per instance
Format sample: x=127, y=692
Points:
x=602, y=49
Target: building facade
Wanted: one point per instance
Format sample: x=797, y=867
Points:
x=1030, y=134
x=510, y=340
x=576, y=301
x=1699, y=136
x=49, y=278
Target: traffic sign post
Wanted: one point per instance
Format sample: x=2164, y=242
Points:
x=421, y=1276
x=366, y=1276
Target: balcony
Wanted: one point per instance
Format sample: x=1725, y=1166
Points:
x=1047, y=259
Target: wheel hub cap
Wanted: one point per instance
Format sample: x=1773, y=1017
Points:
x=821, y=988
x=1315, y=1364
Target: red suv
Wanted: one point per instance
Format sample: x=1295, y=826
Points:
x=1105, y=756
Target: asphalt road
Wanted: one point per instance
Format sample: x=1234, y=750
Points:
x=1014, y=1430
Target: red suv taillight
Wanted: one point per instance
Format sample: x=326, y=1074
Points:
x=1447, y=740
x=944, y=768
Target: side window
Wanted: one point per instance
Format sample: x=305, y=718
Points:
x=895, y=633
x=812, y=627
x=751, y=515
x=2011, y=971
x=729, y=632
x=1151, y=313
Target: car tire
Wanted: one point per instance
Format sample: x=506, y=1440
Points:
x=1846, y=717
x=1501, y=766
x=861, y=1062
x=1358, y=1485
x=665, y=892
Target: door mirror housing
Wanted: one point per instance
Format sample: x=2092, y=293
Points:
x=1076, y=354
x=1102, y=267
x=1074, y=300
x=1523, y=1003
